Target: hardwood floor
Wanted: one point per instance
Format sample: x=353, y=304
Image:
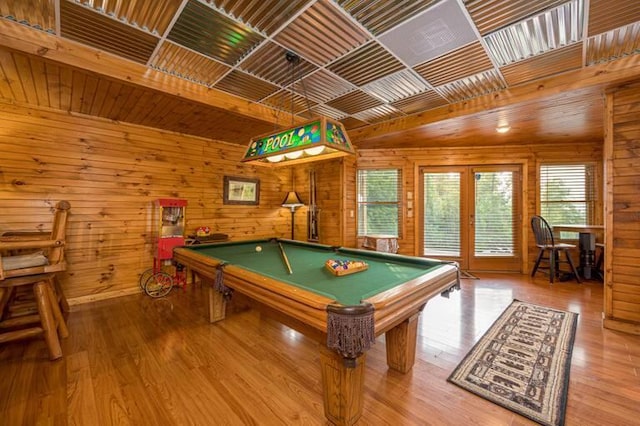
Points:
x=142, y=361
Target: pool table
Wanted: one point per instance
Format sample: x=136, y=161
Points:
x=345, y=313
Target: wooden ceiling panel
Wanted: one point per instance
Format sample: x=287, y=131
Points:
x=323, y=86
x=265, y=15
x=492, y=15
x=615, y=44
x=168, y=64
x=322, y=34
x=353, y=123
x=472, y=87
x=11, y=80
x=102, y=32
x=177, y=60
x=400, y=85
x=205, y=30
x=270, y=62
x=37, y=13
x=606, y=15
x=423, y=101
x=468, y=60
x=378, y=114
x=151, y=15
x=379, y=16
x=554, y=62
x=287, y=101
x=250, y=87
x=366, y=64
x=355, y=102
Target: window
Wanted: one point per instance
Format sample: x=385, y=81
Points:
x=567, y=193
x=379, y=198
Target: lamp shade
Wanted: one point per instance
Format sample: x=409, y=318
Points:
x=318, y=139
x=292, y=200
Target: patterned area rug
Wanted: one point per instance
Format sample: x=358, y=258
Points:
x=522, y=362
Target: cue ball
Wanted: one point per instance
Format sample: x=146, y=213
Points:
x=258, y=249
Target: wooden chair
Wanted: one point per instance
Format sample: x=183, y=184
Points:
x=547, y=245
x=34, y=259
x=600, y=261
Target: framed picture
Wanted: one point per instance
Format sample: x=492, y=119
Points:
x=239, y=190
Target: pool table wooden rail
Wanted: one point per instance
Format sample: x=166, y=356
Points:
x=303, y=305
x=410, y=296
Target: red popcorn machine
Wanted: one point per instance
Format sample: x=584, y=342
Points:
x=169, y=226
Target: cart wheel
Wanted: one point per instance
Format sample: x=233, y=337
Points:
x=145, y=276
x=158, y=284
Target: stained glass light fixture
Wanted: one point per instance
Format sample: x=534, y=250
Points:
x=317, y=139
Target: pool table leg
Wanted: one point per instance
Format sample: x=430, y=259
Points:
x=217, y=305
x=401, y=344
x=342, y=387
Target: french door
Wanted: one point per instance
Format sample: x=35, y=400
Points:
x=472, y=214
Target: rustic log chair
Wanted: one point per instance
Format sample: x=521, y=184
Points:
x=34, y=259
x=547, y=245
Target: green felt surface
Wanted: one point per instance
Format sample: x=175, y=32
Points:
x=307, y=263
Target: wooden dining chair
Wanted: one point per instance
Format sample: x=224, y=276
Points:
x=600, y=260
x=549, y=251
x=33, y=260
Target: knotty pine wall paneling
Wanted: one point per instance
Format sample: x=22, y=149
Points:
x=529, y=154
x=329, y=196
x=349, y=213
x=330, y=186
x=622, y=224
x=111, y=173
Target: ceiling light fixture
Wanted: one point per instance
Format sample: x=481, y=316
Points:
x=503, y=129
x=318, y=139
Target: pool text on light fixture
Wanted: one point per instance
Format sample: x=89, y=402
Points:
x=317, y=139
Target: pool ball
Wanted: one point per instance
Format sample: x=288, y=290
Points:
x=258, y=249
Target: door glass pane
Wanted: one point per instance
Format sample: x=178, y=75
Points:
x=494, y=224
x=441, y=214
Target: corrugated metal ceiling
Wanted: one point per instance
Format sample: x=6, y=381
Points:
x=348, y=70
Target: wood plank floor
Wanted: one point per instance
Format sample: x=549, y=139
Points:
x=142, y=361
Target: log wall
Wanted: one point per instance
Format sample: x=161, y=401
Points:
x=622, y=160
x=111, y=173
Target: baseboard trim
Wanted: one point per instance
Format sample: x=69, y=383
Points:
x=624, y=326
x=103, y=296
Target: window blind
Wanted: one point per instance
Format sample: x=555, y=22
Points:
x=495, y=233
x=379, y=201
x=567, y=193
x=441, y=214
